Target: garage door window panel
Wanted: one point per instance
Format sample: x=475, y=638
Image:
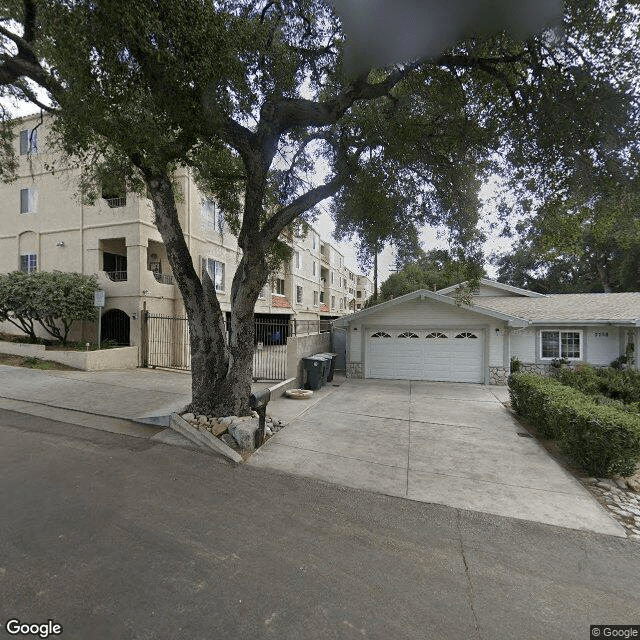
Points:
x=436, y=334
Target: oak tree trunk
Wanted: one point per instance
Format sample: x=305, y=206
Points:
x=221, y=373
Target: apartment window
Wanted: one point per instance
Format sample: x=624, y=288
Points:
x=316, y=297
x=298, y=260
x=298, y=294
x=561, y=344
x=215, y=270
x=299, y=230
x=333, y=302
x=322, y=297
x=262, y=293
x=341, y=303
x=332, y=277
x=314, y=269
x=29, y=263
x=314, y=241
x=28, y=200
x=28, y=141
x=279, y=289
x=340, y=261
x=220, y=220
x=358, y=294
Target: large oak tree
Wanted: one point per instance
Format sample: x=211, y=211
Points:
x=254, y=97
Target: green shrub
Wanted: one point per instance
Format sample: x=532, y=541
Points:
x=516, y=364
x=601, y=439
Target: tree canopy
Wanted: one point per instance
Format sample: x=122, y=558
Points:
x=255, y=98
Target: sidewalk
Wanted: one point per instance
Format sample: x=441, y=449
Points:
x=118, y=401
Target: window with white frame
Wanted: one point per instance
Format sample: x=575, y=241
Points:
x=28, y=141
x=215, y=269
x=211, y=214
x=316, y=297
x=29, y=262
x=298, y=260
x=561, y=344
x=28, y=200
x=298, y=294
x=279, y=287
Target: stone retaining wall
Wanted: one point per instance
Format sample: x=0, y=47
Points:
x=355, y=370
x=498, y=375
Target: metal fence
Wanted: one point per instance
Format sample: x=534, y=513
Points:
x=165, y=342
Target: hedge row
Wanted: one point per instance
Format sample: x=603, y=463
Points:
x=602, y=439
x=616, y=384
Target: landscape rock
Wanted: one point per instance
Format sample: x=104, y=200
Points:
x=226, y=420
x=189, y=417
x=244, y=431
x=203, y=419
x=267, y=431
x=218, y=428
x=228, y=439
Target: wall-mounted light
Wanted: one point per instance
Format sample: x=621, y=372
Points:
x=60, y=244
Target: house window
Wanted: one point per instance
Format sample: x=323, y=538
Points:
x=28, y=200
x=341, y=303
x=29, y=263
x=298, y=230
x=560, y=344
x=332, y=277
x=212, y=216
x=314, y=241
x=322, y=297
x=314, y=268
x=279, y=289
x=316, y=297
x=28, y=141
x=298, y=294
x=215, y=270
x=333, y=302
x=298, y=260
x=358, y=294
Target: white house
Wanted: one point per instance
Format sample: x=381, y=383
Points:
x=426, y=335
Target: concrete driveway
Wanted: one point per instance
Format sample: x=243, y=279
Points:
x=450, y=444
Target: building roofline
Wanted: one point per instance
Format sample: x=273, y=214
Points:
x=497, y=285
x=423, y=294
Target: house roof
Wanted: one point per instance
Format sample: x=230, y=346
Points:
x=496, y=285
x=423, y=294
x=596, y=308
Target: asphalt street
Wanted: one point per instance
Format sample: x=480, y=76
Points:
x=124, y=538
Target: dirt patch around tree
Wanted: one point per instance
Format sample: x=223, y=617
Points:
x=32, y=363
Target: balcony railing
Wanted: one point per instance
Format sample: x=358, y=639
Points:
x=117, y=276
x=163, y=278
x=116, y=202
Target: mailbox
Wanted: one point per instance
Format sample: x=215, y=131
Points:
x=258, y=401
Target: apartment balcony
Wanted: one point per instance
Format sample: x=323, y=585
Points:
x=163, y=278
x=116, y=276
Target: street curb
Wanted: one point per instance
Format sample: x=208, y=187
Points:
x=202, y=438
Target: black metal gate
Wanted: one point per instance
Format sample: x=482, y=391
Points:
x=165, y=343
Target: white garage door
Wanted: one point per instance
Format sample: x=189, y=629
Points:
x=440, y=355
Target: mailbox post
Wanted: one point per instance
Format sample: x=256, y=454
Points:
x=98, y=303
x=258, y=402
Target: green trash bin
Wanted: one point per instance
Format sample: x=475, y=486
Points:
x=314, y=369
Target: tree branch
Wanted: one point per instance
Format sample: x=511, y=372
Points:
x=306, y=201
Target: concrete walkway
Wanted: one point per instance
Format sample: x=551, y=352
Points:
x=450, y=444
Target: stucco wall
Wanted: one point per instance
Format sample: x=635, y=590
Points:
x=119, y=358
x=300, y=346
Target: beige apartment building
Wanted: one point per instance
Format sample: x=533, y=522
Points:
x=44, y=225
